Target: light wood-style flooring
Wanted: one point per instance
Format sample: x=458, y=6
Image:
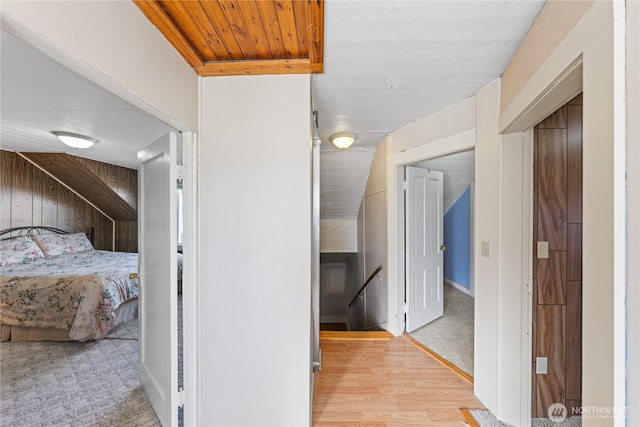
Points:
x=384, y=382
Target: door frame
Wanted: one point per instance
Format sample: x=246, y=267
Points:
x=396, y=213
x=191, y=289
x=520, y=130
x=191, y=154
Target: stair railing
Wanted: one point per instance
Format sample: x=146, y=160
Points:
x=353, y=301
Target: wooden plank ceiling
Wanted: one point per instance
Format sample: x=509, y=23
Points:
x=221, y=37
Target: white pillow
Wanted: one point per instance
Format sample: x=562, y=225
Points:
x=19, y=249
x=58, y=244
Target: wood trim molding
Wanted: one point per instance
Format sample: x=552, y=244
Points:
x=315, y=33
x=468, y=418
x=257, y=67
x=462, y=374
x=156, y=15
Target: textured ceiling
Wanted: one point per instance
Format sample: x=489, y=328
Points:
x=389, y=63
x=386, y=64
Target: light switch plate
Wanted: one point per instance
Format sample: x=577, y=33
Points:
x=543, y=250
x=485, y=249
x=541, y=365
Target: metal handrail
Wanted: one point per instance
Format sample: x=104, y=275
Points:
x=353, y=301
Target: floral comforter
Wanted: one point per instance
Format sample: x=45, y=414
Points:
x=77, y=291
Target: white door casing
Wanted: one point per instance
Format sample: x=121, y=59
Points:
x=424, y=247
x=158, y=302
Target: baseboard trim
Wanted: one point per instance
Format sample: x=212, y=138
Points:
x=355, y=335
x=462, y=374
x=458, y=286
x=468, y=418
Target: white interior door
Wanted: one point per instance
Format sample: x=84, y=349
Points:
x=158, y=301
x=424, y=256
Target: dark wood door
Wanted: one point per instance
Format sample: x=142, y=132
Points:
x=557, y=279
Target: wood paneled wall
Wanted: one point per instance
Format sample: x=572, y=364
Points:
x=29, y=196
x=557, y=307
x=124, y=182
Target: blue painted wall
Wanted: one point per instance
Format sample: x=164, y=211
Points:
x=457, y=238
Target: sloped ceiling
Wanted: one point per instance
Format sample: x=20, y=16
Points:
x=74, y=174
x=458, y=172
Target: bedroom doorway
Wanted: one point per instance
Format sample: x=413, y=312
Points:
x=452, y=335
x=116, y=97
x=456, y=143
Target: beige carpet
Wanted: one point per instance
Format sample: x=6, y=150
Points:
x=451, y=336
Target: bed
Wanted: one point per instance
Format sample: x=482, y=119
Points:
x=55, y=287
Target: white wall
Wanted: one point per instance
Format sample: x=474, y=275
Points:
x=356, y=314
x=333, y=280
x=514, y=350
x=255, y=233
x=338, y=235
x=374, y=205
x=132, y=58
x=487, y=229
x=454, y=119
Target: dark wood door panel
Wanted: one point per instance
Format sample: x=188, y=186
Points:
x=551, y=339
x=574, y=340
x=557, y=219
x=574, y=164
x=552, y=285
x=557, y=120
x=574, y=252
x=535, y=232
x=552, y=187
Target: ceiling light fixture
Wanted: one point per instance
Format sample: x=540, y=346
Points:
x=343, y=140
x=74, y=140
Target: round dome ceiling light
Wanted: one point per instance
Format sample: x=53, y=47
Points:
x=343, y=140
x=74, y=140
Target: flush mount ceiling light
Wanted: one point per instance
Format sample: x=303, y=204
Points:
x=343, y=140
x=74, y=140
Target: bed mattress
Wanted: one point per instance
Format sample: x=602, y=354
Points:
x=77, y=292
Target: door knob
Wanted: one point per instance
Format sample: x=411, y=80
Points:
x=443, y=248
